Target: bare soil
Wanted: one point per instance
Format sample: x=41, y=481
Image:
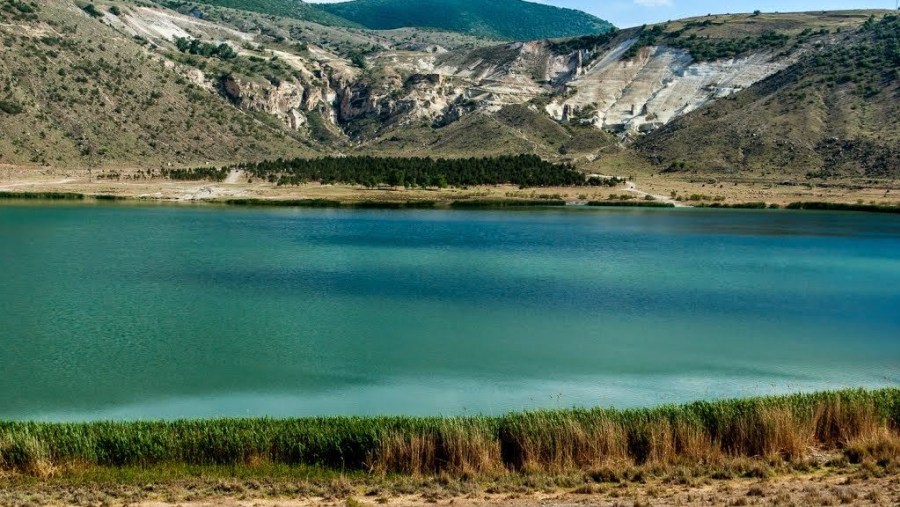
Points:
x=816, y=489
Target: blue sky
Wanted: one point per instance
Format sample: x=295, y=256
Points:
x=624, y=13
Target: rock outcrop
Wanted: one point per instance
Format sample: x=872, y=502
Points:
x=601, y=87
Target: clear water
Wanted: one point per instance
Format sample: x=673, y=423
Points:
x=120, y=312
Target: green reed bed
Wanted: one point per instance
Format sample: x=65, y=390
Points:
x=295, y=203
x=391, y=204
x=506, y=203
x=328, y=203
x=739, y=205
x=632, y=204
x=54, y=196
x=835, y=206
x=782, y=427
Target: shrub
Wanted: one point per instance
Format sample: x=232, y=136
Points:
x=92, y=11
x=10, y=107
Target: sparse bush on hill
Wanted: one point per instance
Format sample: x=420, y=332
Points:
x=585, y=42
x=19, y=10
x=869, y=66
x=10, y=107
x=92, y=11
x=704, y=48
x=200, y=48
x=358, y=58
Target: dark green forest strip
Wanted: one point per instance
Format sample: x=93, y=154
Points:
x=522, y=170
x=835, y=206
x=774, y=428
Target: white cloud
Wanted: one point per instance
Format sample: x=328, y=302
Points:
x=654, y=3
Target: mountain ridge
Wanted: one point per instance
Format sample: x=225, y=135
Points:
x=500, y=19
x=138, y=85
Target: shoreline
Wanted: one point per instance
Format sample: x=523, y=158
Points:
x=638, y=190
x=473, y=203
x=746, y=445
x=516, y=441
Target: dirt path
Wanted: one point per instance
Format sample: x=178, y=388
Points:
x=5, y=186
x=630, y=186
x=234, y=177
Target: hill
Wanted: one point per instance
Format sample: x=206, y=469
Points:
x=500, y=19
x=120, y=84
x=834, y=113
x=75, y=91
x=285, y=8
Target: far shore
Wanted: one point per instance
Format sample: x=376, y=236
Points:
x=641, y=190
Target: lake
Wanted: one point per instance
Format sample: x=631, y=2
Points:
x=131, y=312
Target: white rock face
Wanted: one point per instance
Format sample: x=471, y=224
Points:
x=158, y=24
x=660, y=84
x=626, y=96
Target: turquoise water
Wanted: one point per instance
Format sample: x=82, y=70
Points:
x=164, y=312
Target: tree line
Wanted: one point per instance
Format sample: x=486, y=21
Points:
x=198, y=47
x=521, y=170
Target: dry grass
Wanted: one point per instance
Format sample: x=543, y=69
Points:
x=558, y=443
x=825, y=486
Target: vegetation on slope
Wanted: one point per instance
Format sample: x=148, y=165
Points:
x=75, y=92
x=501, y=19
x=77, y=89
x=198, y=47
x=862, y=423
x=284, y=8
x=704, y=48
x=715, y=37
x=588, y=42
x=870, y=65
x=835, y=113
x=517, y=128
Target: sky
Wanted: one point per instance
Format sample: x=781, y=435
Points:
x=625, y=13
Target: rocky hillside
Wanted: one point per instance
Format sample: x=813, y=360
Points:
x=834, y=113
x=500, y=19
x=121, y=83
x=73, y=89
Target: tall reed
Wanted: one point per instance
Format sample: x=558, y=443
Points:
x=705, y=433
